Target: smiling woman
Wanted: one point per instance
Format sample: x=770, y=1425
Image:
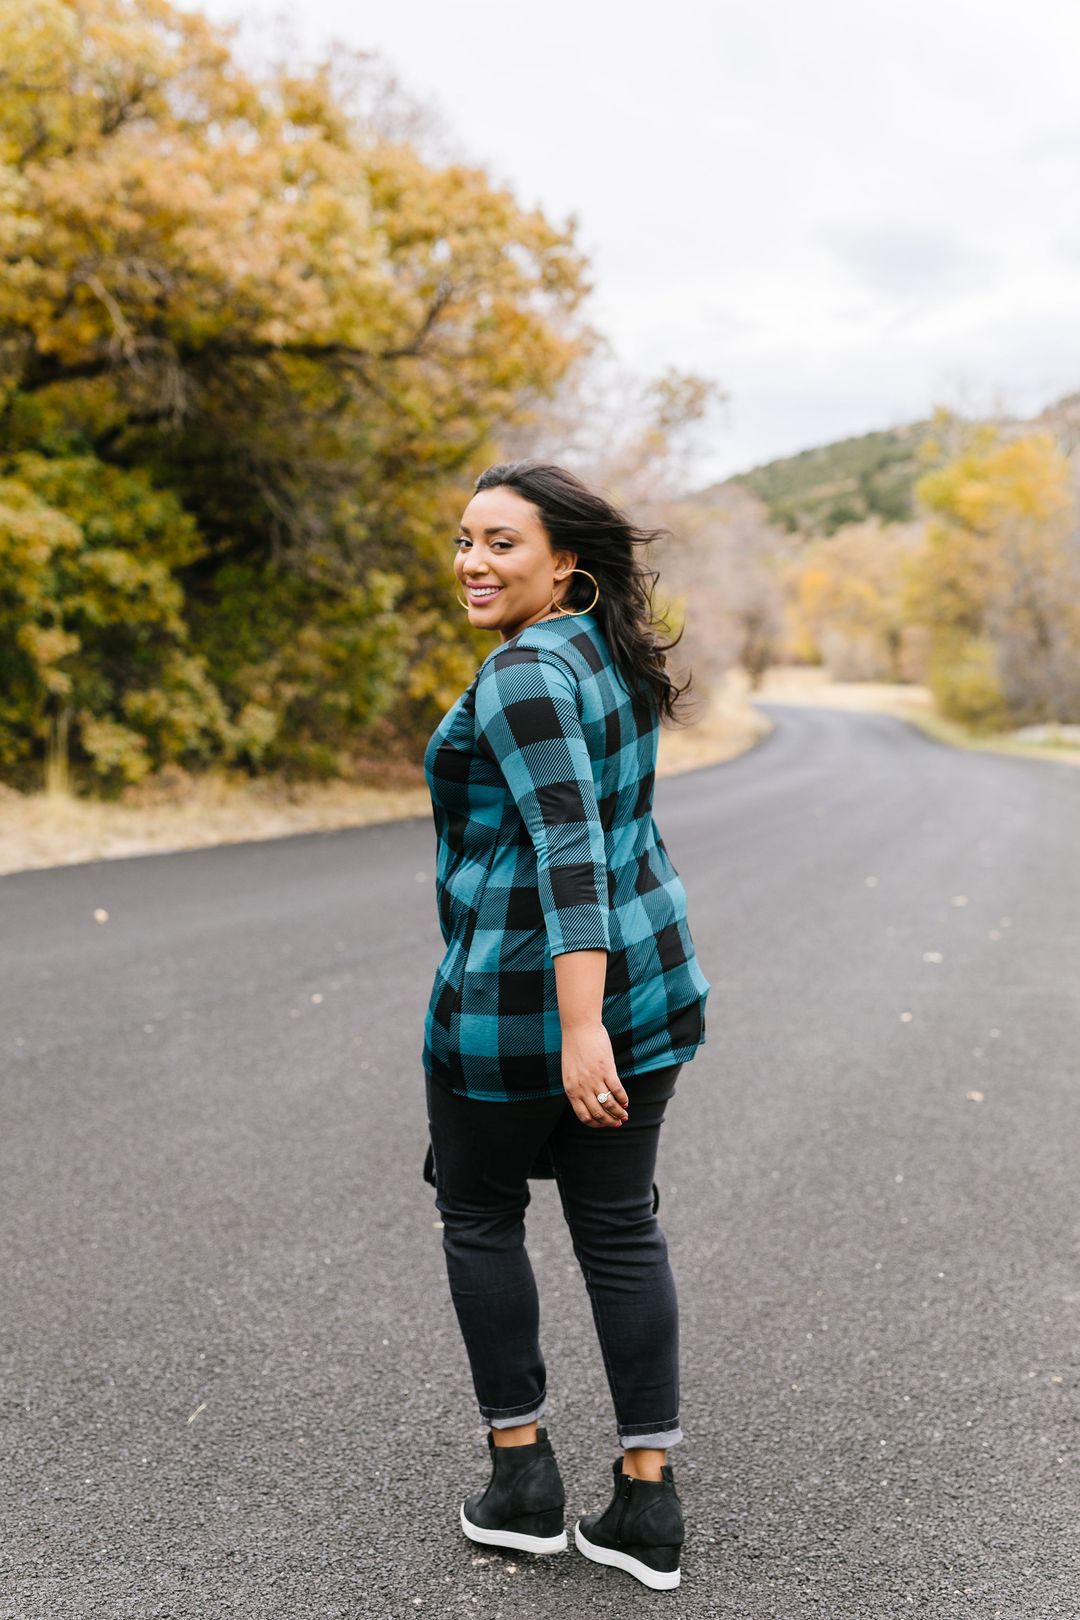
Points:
x=569, y=990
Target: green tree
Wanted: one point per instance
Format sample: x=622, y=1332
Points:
x=93, y=642
x=292, y=332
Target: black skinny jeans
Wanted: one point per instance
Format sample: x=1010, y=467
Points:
x=483, y=1152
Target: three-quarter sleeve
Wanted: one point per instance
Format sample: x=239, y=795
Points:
x=527, y=722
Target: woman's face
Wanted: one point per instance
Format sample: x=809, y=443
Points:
x=505, y=562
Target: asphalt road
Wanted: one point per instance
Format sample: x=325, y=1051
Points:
x=231, y=1379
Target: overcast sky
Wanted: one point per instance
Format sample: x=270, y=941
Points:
x=846, y=211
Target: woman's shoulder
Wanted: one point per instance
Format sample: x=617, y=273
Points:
x=576, y=643
x=564, y=659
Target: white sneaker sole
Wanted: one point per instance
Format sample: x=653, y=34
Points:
x=660, y=1580
x=515, y=1539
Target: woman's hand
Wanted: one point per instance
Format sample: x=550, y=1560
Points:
x=588, y=1070
x=588, y=1065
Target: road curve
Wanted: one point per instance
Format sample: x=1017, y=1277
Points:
x=232, y=1382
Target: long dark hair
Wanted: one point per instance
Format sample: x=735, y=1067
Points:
x=579, y=519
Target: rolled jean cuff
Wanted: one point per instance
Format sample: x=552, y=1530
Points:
x=654, y=1439
x=510, y=1419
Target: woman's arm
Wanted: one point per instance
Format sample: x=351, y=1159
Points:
x=587, y=1062
x=527, y=721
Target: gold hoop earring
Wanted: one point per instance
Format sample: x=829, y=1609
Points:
x=573, y=613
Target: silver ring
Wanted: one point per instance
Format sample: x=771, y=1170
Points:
x=602, y=1096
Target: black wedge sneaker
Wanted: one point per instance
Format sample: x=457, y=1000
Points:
x=641, y=1532
x=522, y=1506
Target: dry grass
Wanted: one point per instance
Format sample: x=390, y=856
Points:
x=727, y=726
x=58, y=830
x=798, y=683
x=39, y=830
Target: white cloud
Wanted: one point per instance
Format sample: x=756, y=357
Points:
x=895, y=261
x=844, y=211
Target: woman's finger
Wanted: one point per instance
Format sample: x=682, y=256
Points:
x=591, y=1111
x=613, y=1100
x=597, y=1111
x=610, y=1111
x=594, y=1111
x=581, y=1109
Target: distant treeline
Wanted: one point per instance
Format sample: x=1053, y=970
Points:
x=976, y=593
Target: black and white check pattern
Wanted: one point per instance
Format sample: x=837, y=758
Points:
x=541, y=779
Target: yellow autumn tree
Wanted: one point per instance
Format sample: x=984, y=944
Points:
x=997, y=583
x=167, y=219
x=848, y=599
x=306, y=330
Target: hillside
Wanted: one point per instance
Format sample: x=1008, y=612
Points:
x=818, y=491
x=873, y=475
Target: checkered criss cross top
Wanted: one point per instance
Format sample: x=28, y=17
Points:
x=541, y=777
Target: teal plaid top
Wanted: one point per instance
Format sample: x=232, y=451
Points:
x=541, y=778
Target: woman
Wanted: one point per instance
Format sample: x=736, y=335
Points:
x=567, y=1001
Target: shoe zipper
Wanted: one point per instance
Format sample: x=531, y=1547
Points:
x=627, y=1486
